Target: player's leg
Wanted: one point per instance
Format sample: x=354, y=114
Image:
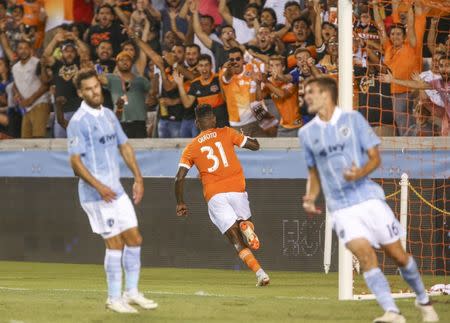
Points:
x=131, y=259
x=373, y=276
x=410, y=273
x=113, y=270
x=240, y=204
x=234, y=236
x=351, y=227
x=224, y=217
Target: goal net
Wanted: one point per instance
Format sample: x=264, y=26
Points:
x=421, y=199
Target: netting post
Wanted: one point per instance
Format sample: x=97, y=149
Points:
x=328, y=243
x=404, y=207
x=345, y=33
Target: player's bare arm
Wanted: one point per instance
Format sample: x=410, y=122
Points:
x=312, y=192
x=129, y=157
x=355, y=173
x=81, y=171
x=179, y=189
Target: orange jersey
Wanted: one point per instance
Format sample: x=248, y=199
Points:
x=212, y=152
x=238, y=96
x=288, y=106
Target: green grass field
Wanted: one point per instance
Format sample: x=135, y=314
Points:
x=43, y=292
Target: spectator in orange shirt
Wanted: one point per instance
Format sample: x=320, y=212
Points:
x=239, y=90
x=400, y=57
x=285, y=96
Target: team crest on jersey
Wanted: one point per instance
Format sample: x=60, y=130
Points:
x=73, y=142
x=110, y=222
x=214, y=88
x=344, y=131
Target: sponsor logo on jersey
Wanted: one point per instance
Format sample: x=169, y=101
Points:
x=107, y=138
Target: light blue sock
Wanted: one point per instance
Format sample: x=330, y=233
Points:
x=113, y=269
x=132, y=266
x=411, y=275
x=377, y=283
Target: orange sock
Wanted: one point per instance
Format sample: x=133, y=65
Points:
x=249, y=259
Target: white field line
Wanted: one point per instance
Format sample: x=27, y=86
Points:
x=155, y=292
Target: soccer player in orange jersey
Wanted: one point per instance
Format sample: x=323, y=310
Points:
x=212, y=152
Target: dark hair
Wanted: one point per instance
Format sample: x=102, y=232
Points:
x=398, y=26
x=254, y=6
x=205, y=57
x=105, y=5
x=326, y=83
x=136, y=48
x=280, y=58
x=104, y=41
x=272, y=13
x=207, y=17
x=226, y=26
x=3, y=3
x=292, y=3
x=22, y=40
x=203, y=111
x=194, y=46
x=83, y=74
x=235, y=50
x=298, y=19
x=325, y=23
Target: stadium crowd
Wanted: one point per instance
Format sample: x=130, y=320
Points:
x=158, y=59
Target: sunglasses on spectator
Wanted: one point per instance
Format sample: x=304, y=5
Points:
x=237, y=59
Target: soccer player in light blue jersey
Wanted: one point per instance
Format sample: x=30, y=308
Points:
x=341, y=150
x=95, y=139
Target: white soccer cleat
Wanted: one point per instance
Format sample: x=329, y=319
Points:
x=139, y=299
x=428, y=312
x=262, y=280
x=120, y=306
x=390, y=317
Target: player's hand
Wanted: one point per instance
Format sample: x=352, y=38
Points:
x=138, y=191
x=181, y=209
x=107, y=194
x=352, y=174
x=310, y=206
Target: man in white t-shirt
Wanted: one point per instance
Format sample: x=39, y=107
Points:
x=245, y=29
x=31, y=92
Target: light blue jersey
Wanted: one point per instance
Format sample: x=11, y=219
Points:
x=332, y=147
x=95, y=135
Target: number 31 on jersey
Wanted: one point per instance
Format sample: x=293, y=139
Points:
x=214, y=158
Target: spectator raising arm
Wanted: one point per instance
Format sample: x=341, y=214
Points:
x=411, y=32
x=173, y=25
x=5, y=43
x=187, y=100
x=204, y=38
x=125, y=19
x=318, y=24
x=431, y=39
x=379, y=22
x=225, y=12
x=152, y=11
